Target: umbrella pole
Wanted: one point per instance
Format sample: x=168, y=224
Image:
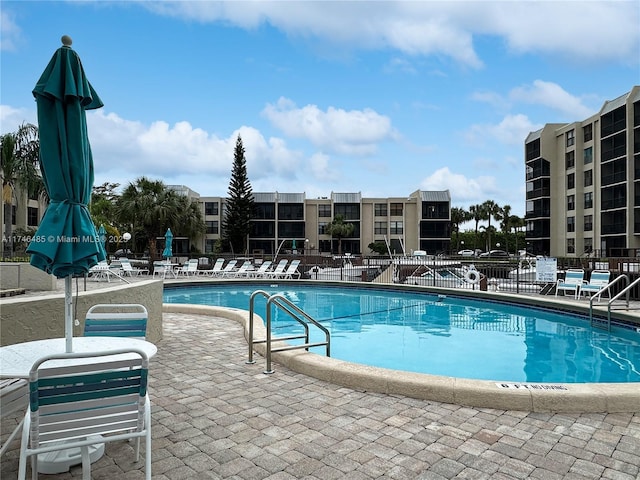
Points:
x=68, y=314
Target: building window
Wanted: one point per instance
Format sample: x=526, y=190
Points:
x=588, y=223
x=571, y=224
x=571, y=202
x=396, y=228
x=570, y=159
x=291, y=211
x=380, y=209
x=209, y=245
x=588, y=200
x=14, y=214
x=212, y=227
x=32, y=216
x=571, y=245
x=587, y=132
x=588, y=155
x=571, y=138
x=588, y=178
x=588, y=245
x=324, y=210
x=349, y=211
x=322, y=227
x=380, y=228
x=264, y=211
x=396, y=209
x=211, y=208
x=571, y=181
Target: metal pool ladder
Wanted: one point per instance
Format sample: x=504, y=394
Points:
x=294, y=312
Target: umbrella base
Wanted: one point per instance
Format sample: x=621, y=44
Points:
x=62, y=460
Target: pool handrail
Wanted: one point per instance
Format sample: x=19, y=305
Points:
x=293, y=310
x=625, y=290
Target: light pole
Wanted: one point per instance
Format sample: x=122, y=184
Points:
x=126, y=236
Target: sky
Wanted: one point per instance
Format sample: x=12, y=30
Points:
x=380, y=98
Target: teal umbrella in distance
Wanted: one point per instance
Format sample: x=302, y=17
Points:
x=102, y=236
x=66, y=242
x=168, y=238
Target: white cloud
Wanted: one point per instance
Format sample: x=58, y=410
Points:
x=11, y=118
x=461, y=188
x=10, y=33
x=553, y=96
x=439, y=28
x=353, y=132
x=512, y=130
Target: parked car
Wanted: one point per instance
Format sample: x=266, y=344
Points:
x=467, y=253
x=123, y=252
x=494, y=254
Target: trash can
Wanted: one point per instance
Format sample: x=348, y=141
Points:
x=483, y=283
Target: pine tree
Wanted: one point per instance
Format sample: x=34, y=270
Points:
x=240, y=204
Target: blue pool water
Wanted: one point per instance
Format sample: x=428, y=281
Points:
x=450, y=336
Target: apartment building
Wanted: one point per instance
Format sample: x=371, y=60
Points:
x=290, y=221
x=26, y=214
x=583, y=183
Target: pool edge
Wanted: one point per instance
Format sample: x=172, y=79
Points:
x=534, y=397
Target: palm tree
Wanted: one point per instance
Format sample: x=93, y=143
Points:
x=337, y=228
x=477, y=214
x=458, y=216
x=504, y=216
x=149, y=207
x=492, y=210
x=20, y=171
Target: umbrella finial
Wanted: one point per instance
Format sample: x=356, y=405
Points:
x=66, y=40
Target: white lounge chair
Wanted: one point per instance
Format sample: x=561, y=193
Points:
x=81, y=402
x=598, y=284
x=260, y=272
x=189, y=269
x=130, y=270
x=572, y=282
x=215, y=271
x=241, y=272
x=292, y=270
x=228, y=268
x=278, y=271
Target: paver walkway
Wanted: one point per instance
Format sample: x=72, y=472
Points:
x=215, y=417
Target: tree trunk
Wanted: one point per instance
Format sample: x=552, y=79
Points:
x=7, y=244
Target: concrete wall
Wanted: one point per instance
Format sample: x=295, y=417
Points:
x=20, y=275
x=26, y=318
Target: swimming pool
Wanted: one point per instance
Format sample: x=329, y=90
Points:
x=447, y=336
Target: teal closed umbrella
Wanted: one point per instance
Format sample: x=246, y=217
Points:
x=168, y=239
x=66, y=243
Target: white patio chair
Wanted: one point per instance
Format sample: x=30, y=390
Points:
x=14, y=396
x=572, y=282
x=597, y=284
x=82, y=399
x=116, y=320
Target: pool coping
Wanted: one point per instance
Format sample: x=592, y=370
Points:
x=524, y=396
